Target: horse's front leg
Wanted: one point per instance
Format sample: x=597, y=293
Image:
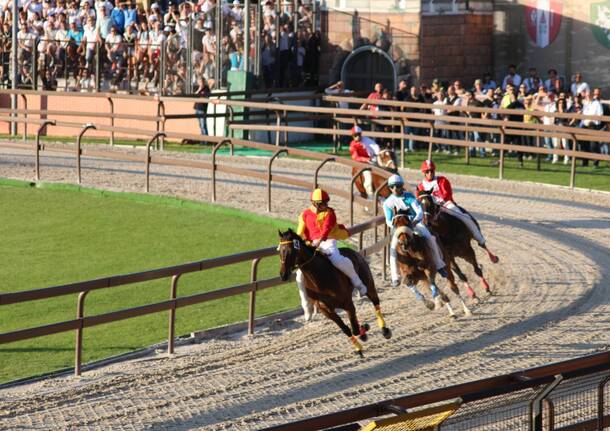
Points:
x=335, y=318
x=358, y=329
x=306, y=304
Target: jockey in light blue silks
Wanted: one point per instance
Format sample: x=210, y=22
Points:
x=403, y=200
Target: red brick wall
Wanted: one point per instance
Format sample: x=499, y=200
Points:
x=456, y=47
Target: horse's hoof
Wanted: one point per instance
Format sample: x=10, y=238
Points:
x=363, y=337
x=387, y=333
x=429, y=304
x=366, y=326
x=453, y=317
x=359, y=353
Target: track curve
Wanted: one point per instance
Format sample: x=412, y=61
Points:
x=552, y=302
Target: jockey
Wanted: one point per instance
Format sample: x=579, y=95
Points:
x=318, y=225
x=441, y=191
x=403, y=200
x=365, y=150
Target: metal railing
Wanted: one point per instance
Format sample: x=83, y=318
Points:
x=512, y=401
x=175, y=272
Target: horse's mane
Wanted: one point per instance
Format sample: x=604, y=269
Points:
x=292, y=235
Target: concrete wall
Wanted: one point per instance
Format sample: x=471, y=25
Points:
x=574, y=49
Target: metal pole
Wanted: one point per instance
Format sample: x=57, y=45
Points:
x=247, y=36
x=430, y=142
x=214, y=150
x=535, y=407
x=252, y=306
x=257, y=42
x=15, y=64
x=600, y=402
x=172, y=314
x=147, y=166
x=78, y=148
x=111, y=103
x=40, y=129
x=269, y=177
x=217, y=30
x=402, y=143
x=98, y=68
x=78, y=349
x=315, y=175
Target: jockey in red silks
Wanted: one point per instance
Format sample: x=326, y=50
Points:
x=441, y=190
x=318, y=225
x=365, y=150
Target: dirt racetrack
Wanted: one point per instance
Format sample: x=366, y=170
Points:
x=551, y=302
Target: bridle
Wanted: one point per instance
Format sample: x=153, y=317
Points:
x=293, y=242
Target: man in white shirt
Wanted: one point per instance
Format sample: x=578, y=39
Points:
x=25, y=43
x=579, y=87
x=591, y=107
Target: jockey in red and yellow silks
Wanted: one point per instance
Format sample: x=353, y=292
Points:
x=442, y=193
x=318, y=225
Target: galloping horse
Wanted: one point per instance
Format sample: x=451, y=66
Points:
x=415, y=265
x=386, y=159
x=455, y=237
x=328, y=287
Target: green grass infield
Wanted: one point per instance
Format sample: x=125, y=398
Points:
x=55, y=234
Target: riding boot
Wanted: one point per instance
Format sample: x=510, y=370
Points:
x=306, y=304
x=394, y=263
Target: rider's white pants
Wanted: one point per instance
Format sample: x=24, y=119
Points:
x=421, y=230
x=342, y=263
x=368, y=183
x=452, y=209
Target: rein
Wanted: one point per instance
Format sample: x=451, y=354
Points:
x=292, y=243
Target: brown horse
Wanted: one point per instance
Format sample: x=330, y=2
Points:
x=386, y=159
x=455, y=237
x=328, y=287
x=415, y=265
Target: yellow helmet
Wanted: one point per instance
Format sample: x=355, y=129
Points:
x=319, y=195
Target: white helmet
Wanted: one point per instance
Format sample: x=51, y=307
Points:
x=395, y=180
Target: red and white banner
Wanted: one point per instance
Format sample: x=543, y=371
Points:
x=543, y=19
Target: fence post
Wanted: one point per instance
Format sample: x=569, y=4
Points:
x=252, y=306
x=147, y=166
x=111, y=103
x=535, y=406
x=172, y=314
x=161, y=124
x=573, y=164
x=467, y=147
x=501, y=161
x=315, y=175
x=335, y=139
x=376, y=203
x=600, y=402
x=42, y=126
x=538, y=146
x=25, y=117
x=430, y=142
x=551, y=409
x=78, y=349
x=351, y=196
x=269, y=177
x=98, y=68
x=78, y=148
x=216, y=147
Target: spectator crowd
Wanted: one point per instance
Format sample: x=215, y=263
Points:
x=532, y=93
x=82, y=45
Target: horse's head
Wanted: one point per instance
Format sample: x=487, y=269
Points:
x=402, y=229
x=428, y=205
x=386, y=159
x=290, y=247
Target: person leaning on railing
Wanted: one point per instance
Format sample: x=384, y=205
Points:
x=594, y=108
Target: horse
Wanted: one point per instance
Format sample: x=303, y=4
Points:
x=386, y=159
x=327, y=287
x=455, y=237
x=415, y=264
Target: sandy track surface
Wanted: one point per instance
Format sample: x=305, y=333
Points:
x=551, y=302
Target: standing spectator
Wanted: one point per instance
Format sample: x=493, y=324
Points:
x=285, y=48
x=237, y=12
x=512, y=78
x=268, y=61
x=561, y=143
x=440, y=100
x=413, y=96
x=118, y=16
x=5, y=50
x=473, y=102
x=554, y=83
x=549, y=105
x=579, y=87
x=489, y=83
x=209, y=44
x=403, y=91
x=517, y=118
x=532, y=81
x=90, y=37
x=591, y=107
x=454, y=99
x=375, y=95
x=201, y=108
x=479, y=89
